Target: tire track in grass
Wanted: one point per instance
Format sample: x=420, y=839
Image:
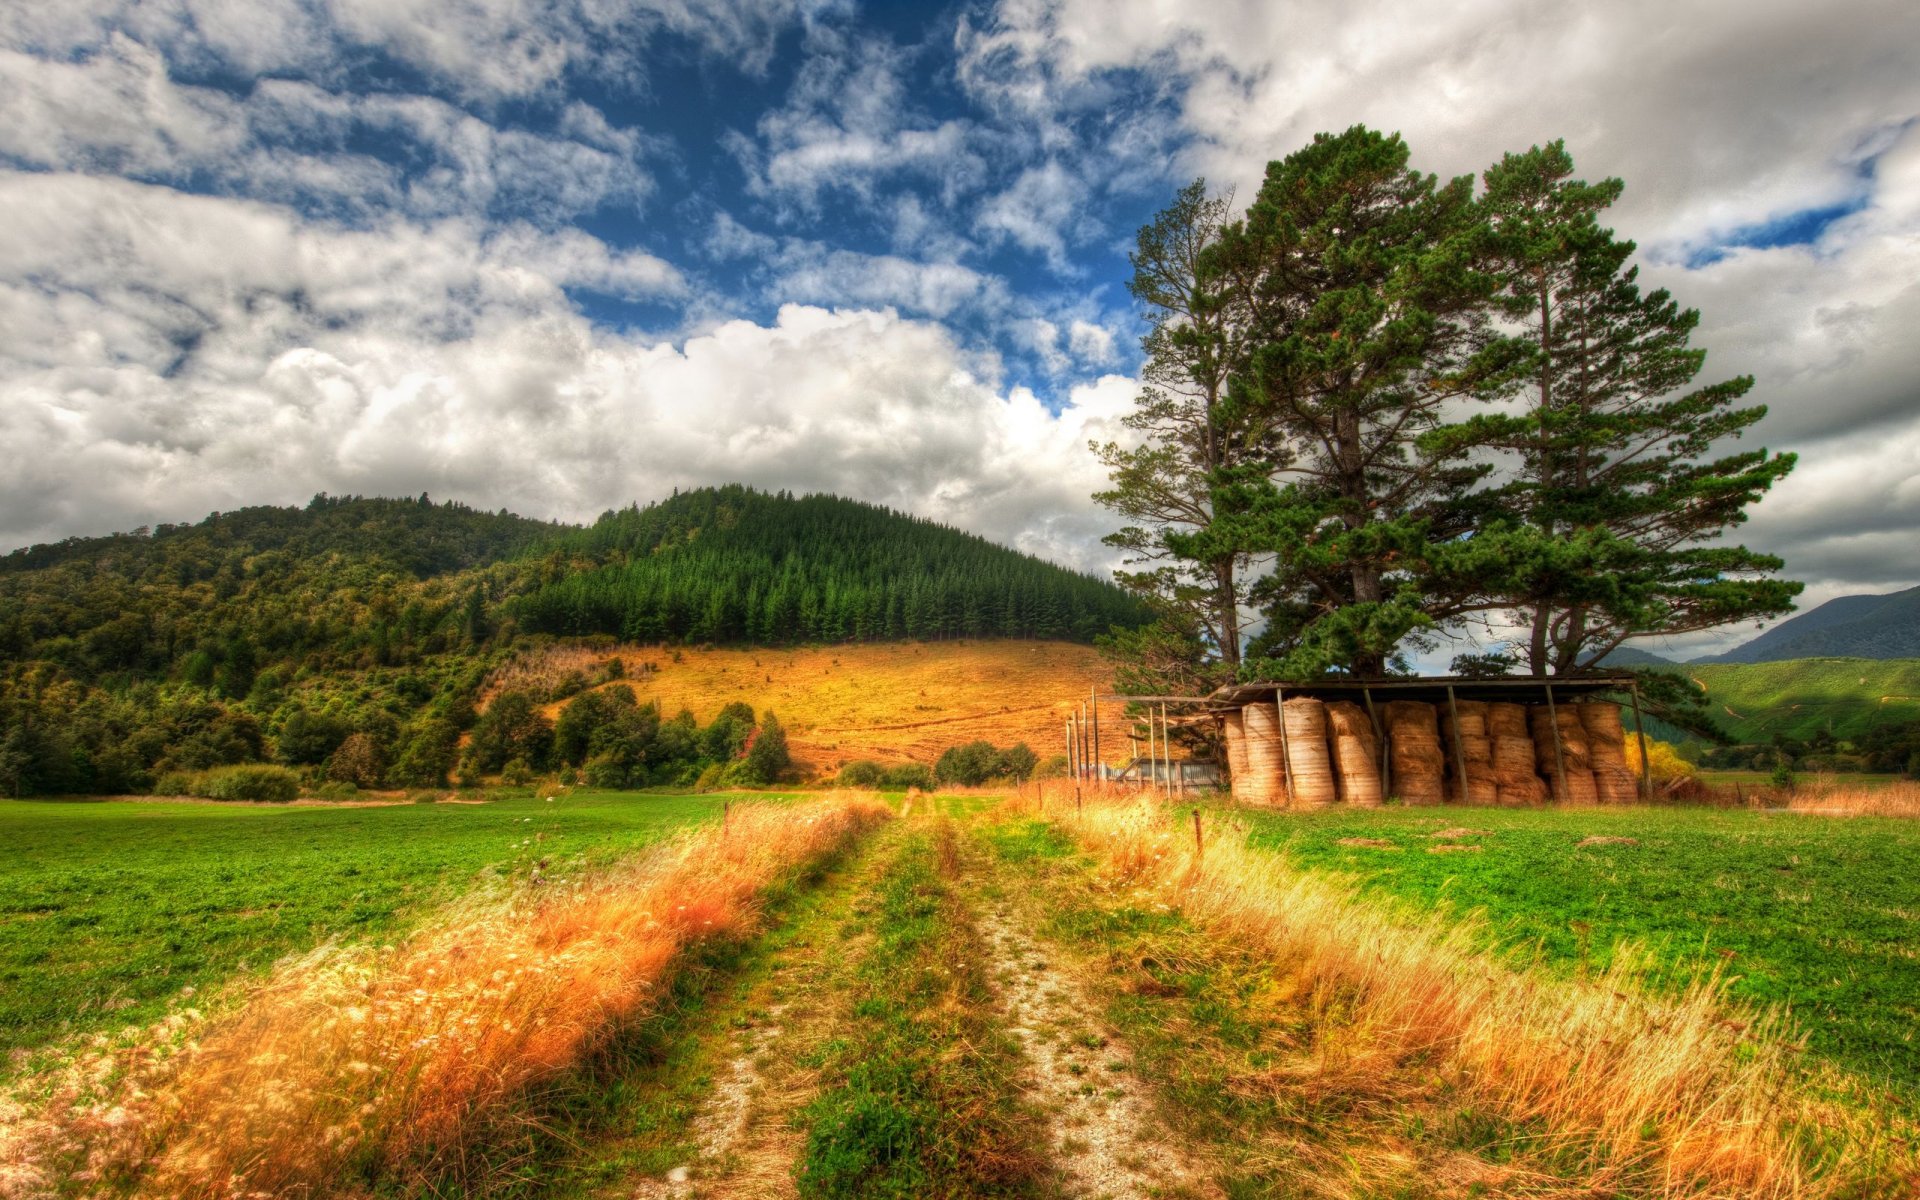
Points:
x=700, y=1113
x=921, y=1093
x=1082, y=1073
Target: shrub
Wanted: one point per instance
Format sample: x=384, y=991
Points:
x=359, y=762
x=907, y=775
x=712, y=779
x=862, y=773
x=767, y=757
x=516, y=773
x=336, y=790
x=251, y=781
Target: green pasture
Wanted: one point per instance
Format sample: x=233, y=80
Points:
x=1818, y=914
x=1800, y=697
x=109, y=909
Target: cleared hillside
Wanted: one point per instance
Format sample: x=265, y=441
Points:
x=1754, y=701
x=891, y=702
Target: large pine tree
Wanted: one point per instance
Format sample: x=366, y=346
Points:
x=1609, y=525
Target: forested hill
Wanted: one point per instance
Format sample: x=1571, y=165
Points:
x=275, y=633
x=733, y=565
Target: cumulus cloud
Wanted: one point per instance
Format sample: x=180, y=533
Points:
x=147, y=381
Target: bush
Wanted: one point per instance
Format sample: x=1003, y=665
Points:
x=360, y=762
x=907, y=775
x=251, y=781
x=516, y=773
x=713, y=779
x=967, y=766
x=336, y=790
x=862, y=773
x=767, y=758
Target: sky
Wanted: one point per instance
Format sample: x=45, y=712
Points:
x=558, y=256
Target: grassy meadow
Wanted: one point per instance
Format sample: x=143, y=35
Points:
x=109, y=909
x=889, y=702
x=1799, y=697
x=1814, y=913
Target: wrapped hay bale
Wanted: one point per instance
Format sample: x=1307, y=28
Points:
x=1235, y=731
x=1413, y=746
x=1307, y=752
x=1266, y=781
x=1356, y=756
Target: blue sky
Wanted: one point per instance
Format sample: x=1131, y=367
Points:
x=557, y=255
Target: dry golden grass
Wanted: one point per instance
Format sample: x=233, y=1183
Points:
x=1900, y=799
x=904, y=701
x=1685, y=1095
x=408, y=1064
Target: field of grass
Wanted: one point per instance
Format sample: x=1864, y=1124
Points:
x=1816, y=913
x=895, y=702
x=109, y=909
x=1754, y=701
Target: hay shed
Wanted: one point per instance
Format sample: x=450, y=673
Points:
x=1508, y=740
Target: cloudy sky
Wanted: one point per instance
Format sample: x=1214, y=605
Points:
x=557, y=255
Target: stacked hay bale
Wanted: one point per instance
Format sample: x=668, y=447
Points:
x=1356, y=756
x=1266, y=779
x=1305, y=720
x=1576, y=786
x=1515, y=779
x=1474, y=746
x=1413, y=742
x=1613, y=782
x=1235, y=731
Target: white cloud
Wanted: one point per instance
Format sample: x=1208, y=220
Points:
x=150, y=381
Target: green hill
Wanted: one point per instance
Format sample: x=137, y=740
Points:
x=1846, y=696
x=275, y=633
x=1884, y=626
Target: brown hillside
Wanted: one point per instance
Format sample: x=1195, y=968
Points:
x=897, y=702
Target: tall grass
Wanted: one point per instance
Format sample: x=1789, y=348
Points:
x=1679, y=1095
x=1898, y=799
x=402, y=1065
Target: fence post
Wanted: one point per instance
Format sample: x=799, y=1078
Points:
x=726, y=819
x=1199, y=848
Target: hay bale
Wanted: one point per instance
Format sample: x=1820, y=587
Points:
x=1266, y=781
x=1606, y=736
x=1356, y=757
x=1506, y=720
x=1573, y=738
x=1236, y=735
x=1520, y=792
x=1308, y=752
x=1615, y=785
x=1413, y=745
x=1576, y=788
x=1473, y=718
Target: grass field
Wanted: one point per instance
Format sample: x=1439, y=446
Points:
x=898, y=702
x=1754, y=701
x=1816, y=913
x=109, y=909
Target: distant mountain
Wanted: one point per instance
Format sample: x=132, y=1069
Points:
x=1633, y=656
x=1879, y=627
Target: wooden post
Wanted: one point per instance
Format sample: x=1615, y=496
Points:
x=726, y=819
x=1559, y=755
x=1199, y=847
x=1640, y=731
x=1459, y=745
x=1380, y=734
x=1166, y=747
x=1069, y=745
x=1099, y=764
x=1286, y=754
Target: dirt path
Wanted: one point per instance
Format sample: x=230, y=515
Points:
x=744, y=1131
x=1105, y=1140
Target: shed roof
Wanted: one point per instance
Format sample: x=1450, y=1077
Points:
x=1524, y=689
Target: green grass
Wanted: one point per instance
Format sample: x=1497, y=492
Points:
x=109, y=909
x=1800, y=697
x=1819, y=914
x=919, y=1097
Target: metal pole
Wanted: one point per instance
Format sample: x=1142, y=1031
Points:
x=1640, y=731
x=1559, y=756
x=1459, y=746
x=1286, y=753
